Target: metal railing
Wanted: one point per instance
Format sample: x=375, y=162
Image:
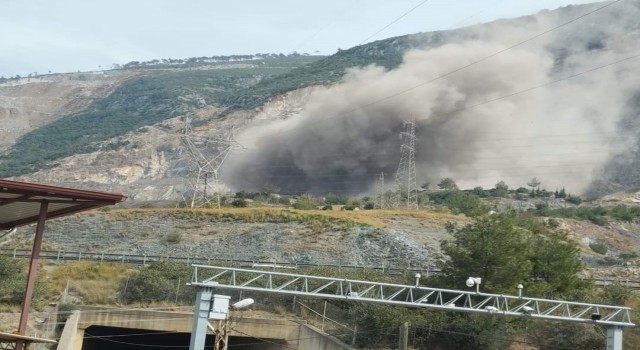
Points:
x=143, y=259
x=137, y=259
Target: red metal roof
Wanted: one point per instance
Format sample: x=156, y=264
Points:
x=20, y=201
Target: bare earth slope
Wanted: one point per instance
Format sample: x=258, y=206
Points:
x=29, y=103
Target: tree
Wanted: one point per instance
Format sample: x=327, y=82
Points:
x=269, y=189
x=465, y=203
x=447, y=184
x=501, y=189
x=506, y=250
x=12, y=281
x=425, y=186
x=533, y=183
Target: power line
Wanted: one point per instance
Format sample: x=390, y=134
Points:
x=328, y=24
x=552, y=82
x=393, y=22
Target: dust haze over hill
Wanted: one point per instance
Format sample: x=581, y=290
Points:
x=470, y=125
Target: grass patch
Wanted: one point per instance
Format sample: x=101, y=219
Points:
x=316, y=220
x=95, y=283
x=173, y=237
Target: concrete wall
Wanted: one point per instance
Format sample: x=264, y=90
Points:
x=71, y=337
x=296, y=334
x=313, y=338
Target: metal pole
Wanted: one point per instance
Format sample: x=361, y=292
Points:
x=205, y=187
x=324, y=313
x=614, y=338
x=66, y=291
x=404, y=336
x=355, y=333
x=177, y=290
x=31, y=276
x=200, y=318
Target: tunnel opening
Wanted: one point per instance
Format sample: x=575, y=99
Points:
x=108, y=338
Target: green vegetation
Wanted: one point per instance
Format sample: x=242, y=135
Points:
x=141, y=101
x=173, y=237
x=93, y=282
x=599, y=247
x=594, y=214
x=13, y=277
x=504, y=250
x=162, y=281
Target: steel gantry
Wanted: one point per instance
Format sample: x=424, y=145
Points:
x=614, y=318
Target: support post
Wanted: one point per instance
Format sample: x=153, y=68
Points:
x=200, y=318
x=324, y=313
x=31, y=275
x=404, y=336
x=355, y=335
x=614, y=338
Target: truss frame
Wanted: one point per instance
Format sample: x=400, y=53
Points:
x=409, y=295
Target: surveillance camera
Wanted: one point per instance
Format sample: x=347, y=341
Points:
x=491, y=308
x=418, y=275
x=520, y=286
x=527, y=309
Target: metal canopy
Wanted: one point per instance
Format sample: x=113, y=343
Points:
x=10, y=337
x=409, y=296
x=20, y=202
x=23, y=203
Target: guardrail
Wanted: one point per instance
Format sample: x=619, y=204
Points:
x=137, y=259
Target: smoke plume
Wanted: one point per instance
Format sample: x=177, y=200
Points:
x=489, y=122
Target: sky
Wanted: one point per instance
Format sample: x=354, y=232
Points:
x=73, y=35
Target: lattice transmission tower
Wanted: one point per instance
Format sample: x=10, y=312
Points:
x=207, y=154
x=405, y=181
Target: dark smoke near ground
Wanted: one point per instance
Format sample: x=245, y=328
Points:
x=470, y=125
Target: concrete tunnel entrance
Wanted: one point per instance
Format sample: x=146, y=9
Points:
x=108, y=338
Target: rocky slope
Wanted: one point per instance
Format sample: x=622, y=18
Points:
x=29, y=103
x=398, y=239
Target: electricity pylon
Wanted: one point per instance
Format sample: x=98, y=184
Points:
x=405, y=181
x=207, y=154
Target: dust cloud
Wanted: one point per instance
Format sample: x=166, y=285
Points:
x=489, y=122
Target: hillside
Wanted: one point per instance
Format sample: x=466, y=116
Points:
x=127, y=139
x=398, y=238
x=150, y=97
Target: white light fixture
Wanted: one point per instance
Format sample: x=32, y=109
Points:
x=474, y=281
x=491, y=309
x=243, y=304
x=527, y=310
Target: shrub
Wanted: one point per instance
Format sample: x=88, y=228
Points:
x=173, y=237
x=239, y=203
x=369, y=206
x=159, y=281
x=574, y=200
x=305, y=202
x=599, y=247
